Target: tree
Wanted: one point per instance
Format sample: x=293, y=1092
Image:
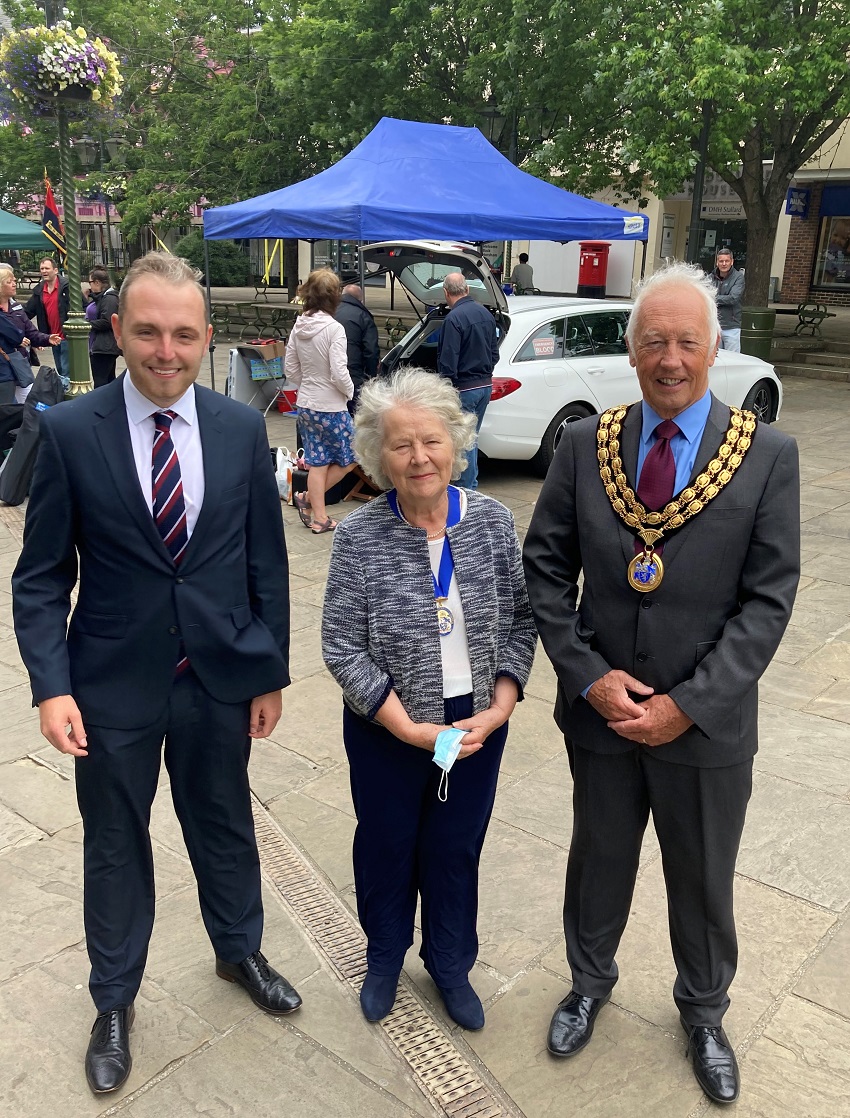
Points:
x=776, y=76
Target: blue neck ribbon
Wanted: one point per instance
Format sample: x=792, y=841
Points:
x=447, y=563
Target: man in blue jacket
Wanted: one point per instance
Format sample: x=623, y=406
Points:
x=161, y=494
x=467, y=354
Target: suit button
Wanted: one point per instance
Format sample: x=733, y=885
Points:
x=642, y=656
x=180, y=581
x=174, y=631
x=644, y=604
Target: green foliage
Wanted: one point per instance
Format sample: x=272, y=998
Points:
x=229, y=266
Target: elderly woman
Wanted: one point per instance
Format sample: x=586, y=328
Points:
x=19, y=332
x=317, y=361
x=426, y=627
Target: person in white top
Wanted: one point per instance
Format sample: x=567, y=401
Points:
x=317, y=361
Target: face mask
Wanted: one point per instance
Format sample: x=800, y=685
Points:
x=446, y=749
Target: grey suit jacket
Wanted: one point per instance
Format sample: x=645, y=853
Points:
x=706, y=635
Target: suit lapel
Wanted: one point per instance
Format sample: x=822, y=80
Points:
x=113, y=434
x=211, y=427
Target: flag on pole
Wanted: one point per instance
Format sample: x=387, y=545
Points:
x=50, y=223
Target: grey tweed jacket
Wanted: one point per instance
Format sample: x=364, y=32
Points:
x=379, y=630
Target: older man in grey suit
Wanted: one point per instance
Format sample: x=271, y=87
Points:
x=683, y=516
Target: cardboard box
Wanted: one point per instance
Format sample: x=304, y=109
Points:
x=262, y=352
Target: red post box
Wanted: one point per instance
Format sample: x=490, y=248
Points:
x=592, y=269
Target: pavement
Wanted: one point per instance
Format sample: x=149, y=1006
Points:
x=200, y=1046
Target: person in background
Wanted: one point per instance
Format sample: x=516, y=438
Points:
x=426, y=627
x=17, y=317
x=729, y=292
x=317, y=361
x=50, y=304
x=103, y=348
x=522, y=276
x=361, y=335
x=467, y=353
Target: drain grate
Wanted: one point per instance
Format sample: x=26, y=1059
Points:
x=443, y=1072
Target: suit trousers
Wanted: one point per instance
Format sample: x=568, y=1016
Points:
x=206, y=754
x=698, y=816
x=408, y=841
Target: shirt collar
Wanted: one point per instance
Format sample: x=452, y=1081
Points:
x=691, y=422
x=140, y=408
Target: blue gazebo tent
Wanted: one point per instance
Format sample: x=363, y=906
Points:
x=424, y=182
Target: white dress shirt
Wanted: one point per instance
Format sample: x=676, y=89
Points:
x=186, y=436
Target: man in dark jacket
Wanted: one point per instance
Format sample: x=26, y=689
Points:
x=50, y=304
x=361, y=335
x=729, y=286
x=467, y=354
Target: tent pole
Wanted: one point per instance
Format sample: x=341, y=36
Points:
x=643, y=261
x=209, y=307
x=361, y=269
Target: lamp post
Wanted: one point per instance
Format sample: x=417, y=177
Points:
x=76, y=327
x=89, y=151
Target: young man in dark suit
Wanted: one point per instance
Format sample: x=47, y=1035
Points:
x=161, y=494
x=684, y=518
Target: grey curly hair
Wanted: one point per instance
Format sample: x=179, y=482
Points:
x=677, y=276
x=408, y=388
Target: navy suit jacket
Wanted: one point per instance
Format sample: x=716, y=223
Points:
x=228, y=601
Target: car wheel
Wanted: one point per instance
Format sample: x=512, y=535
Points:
x=570, y=414
x=761, y=399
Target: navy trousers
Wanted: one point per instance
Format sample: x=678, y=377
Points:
x=408, y=841
x=206, y=753
x=699, y=817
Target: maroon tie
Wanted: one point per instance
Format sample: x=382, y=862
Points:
x=658, y=476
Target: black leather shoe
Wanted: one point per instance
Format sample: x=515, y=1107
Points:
x=572, y=1024
x=714, y=1063
x=108, y=1059
x=268, y=989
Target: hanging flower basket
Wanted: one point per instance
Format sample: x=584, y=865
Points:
x=40, y=66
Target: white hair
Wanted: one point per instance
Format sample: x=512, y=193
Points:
x=677, y=277
x=408, y=388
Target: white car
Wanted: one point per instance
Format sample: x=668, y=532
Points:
x=560, y=359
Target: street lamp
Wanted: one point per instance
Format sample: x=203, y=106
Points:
x=91, y=152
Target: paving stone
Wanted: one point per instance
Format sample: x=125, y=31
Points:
x=40, y=795
x=311, y=725
x=304, y=615
x=332, y=788
x=791, y=687
x=520, y=898
x=14, y=830
x=11, y=677
x=796, y=839
x=543, y=682
x=630, y=1067
x=824, y=566
x=825, y=982
x=18, y=714
x=800, y=1066
x=325, y=833
x=181, y=960
x=804, y=748
x=833, y=703
x=533, y=738
x=832, y=659
x=274, y=770
x=331, y=1015
x=540, y=802
x=821, y=496
x=840, y=480
x=265, y=1069
x=43, y=1055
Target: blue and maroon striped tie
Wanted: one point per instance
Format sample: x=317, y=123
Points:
x=169, y=508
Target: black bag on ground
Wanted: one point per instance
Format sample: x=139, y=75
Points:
x=11, y=416
x=16, y=470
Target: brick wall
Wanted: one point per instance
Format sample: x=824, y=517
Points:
x=800, y=258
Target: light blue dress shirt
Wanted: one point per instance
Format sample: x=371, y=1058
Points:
x=691, y=423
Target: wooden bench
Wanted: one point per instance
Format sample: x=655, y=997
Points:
x=809, y=317
x=258, y=320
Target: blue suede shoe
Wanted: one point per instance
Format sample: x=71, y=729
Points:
x=377, y=995
x=463, y=1006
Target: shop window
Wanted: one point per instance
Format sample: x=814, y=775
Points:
x=832, y=262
